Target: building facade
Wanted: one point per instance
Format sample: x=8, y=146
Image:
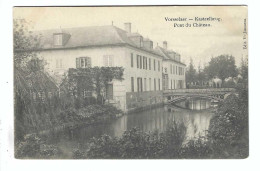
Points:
x=110, y=46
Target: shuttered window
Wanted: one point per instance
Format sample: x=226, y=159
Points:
x=145, y=88
x=154, y=84
x=140, y=62
x=83, y=62
x=139, y=84
x=149, y=63
x=132, y=60
x=132, y=84
x=159, y=84
x=154, y=65
x=108, y=60
x=137, y=61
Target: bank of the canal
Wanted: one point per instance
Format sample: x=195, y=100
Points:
x=76, y=136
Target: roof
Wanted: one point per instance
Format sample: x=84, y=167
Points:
x=166, y=54
x=89, y=37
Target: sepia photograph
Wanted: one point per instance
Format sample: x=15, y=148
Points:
x=131, y=82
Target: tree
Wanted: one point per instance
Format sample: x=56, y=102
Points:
x=25, y=62
x=222, y=66
x=24, y=42
x=201, y=76
x=244, y=70
x=191, y=72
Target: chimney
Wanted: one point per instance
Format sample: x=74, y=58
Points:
x=165, y=44
x=128, y=27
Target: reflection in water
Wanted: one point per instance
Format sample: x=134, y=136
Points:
x=196, y=104
x=197, y=121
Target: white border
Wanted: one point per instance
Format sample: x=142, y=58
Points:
x=6, y=92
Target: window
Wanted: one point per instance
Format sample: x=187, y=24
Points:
x=108, y=60
x=171, y=84
x=149, y=63
x=140, y=62
x=176, y=70
x=154, y=84
x=159, y=84
x=150, y=84
x=173, y=69
x=144, y=62
x=83, y=62
x=57, y=39
x=139, y=84
x=145, y=84
x=159, y=66
x=132, y=60
x=154, y=65
x=137, y=61
x=132, y=84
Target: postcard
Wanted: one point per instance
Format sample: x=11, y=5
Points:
x=131, y=82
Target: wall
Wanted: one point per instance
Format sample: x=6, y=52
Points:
x=143, y=73
x=141, y=100
x=122, y=58
x=68, y=59
x=174, y=76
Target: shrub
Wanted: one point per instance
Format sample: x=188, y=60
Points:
x=34, y=147
x=137, y=144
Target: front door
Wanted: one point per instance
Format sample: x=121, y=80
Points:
x=110, y=91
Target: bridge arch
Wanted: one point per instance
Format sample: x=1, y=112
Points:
x=218, y=94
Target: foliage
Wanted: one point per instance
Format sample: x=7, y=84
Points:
x=222, y=66
x=78, y=154
x=201, y=75
x=33, y=146
x=228, y=131
x=191, y=73
x=90, y=112
x=198, y=148
x=244, y=70
x=136, y=144
x=91, y=79
x=24, y=42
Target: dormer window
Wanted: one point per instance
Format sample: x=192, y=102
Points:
x=57, y=39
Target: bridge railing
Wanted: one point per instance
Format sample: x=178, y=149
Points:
x=209, y=90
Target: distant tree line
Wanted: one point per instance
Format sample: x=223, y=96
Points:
x=221, y=67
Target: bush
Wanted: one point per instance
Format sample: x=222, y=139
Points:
x=136, y=144
x=34, y=147
x=228, y=131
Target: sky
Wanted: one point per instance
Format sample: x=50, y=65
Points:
x=198, y=43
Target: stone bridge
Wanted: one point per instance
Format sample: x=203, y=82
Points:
x=217, y=94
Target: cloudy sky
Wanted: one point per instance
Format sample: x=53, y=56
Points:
x=198, y=43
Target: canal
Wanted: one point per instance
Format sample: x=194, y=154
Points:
x=195, y=113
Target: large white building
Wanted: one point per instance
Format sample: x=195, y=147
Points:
x=144, y=65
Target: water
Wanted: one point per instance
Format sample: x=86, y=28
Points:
x=195, y=113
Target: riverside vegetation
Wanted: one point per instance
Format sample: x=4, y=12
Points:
x=227, y=138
